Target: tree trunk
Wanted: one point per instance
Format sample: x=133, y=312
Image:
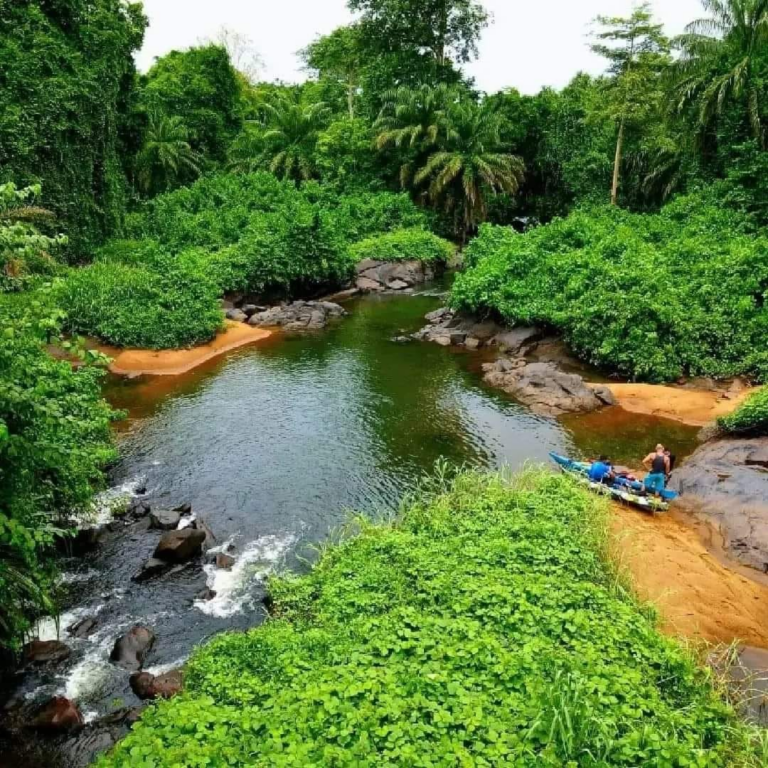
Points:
x=617, y=165
x=351, y=99
x=442, y=34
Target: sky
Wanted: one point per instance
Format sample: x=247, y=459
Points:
x=530, y=43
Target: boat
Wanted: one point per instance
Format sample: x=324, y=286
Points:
x=626, y=490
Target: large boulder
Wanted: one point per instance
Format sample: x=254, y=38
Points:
x=298, y=316
x=148, y=686
x=58, y=715
x=373, y=275
x=180, y=546
x=546, y=389
x=131, y=649
x=45, y=652
x=726, y=481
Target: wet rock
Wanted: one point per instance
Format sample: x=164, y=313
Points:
x=401, y=339
x=726, y=482
x=164, y=519
x=210, y=539
x=82, y=628
x=373, y=275
x=152, y=568
x=138, y=508
x=58, y=715
x=148, y=686
x=224, y=561
x=180, y=546
x=131, y=649
x=546, y=389
x=45, y=652
x=397, y=285
x=249, y=310
x=183, y=509
x=515, y=339
x=141, y=490
x=300, y=315
x=237, y=315
x=206, y=594
x=472, y=343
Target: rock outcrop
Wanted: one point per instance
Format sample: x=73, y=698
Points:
x=45, y=652
x=546, y=389
x=180, y=546
x=164, y=519
x=376, y=276
x=149, y=686
x=131, y=649
x=58, y=715
x=726, y=480
x=298, y=316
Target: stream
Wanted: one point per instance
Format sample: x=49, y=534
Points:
x=273, y=445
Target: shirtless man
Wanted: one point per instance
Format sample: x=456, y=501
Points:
x=658, y=468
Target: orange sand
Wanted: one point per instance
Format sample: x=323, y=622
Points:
x=172, y=362
x=690, y=406
x=698, y=595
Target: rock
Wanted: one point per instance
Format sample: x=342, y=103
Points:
x=183, y=509
x=457, y=338
x=758, y=457
x=224, y=561
x=153, y=567
x=721, y=482
x=439, y=315
x=45, y=652
x=138, y=508
x=546, y=389
x=459, y=328
x=401, y=339
x=373, y=275
x=131, y=649
x=148, y=686
x=604, y=394
x=237, y=315
x=300, y=315
x=141, y=490
x=397, y=285
x=366, y=284
x=180, y=546
x=249, y=310
x=515, y=339
x=443, y=341
x=82, y=628
x=164, y=519
x=472, y=343
x=58, y=715
x=206, y=594
x=210, y=539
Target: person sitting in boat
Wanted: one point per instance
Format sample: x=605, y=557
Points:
x=658, y=467
x=601, y=470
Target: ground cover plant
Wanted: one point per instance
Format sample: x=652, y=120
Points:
x=403, y=244
x=751, y=417
x=652, y=296
x=482, y=626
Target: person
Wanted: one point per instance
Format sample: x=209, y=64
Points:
x=601, y=470
x=658, y=468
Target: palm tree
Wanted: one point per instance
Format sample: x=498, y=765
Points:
x=719, y=62
x=166, y=157
x=469, y=163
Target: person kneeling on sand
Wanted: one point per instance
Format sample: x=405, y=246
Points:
x=658, y=468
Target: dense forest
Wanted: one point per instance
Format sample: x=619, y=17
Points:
x=627, y=211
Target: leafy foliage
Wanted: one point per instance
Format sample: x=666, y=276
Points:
x=403, y=244
x=166, y=158
x=650, y=296
x=54, y=441
x=482, y=626
x=751, y=417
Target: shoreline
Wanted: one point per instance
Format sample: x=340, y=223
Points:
x=174, y=362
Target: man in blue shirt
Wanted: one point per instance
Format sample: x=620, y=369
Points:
x=600, y=471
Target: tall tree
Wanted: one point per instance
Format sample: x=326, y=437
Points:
x=637, y=52
x=725, y=60
x=166, y=159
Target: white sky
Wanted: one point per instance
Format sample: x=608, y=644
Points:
x=530, y=44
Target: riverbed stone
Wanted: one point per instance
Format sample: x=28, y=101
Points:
x=224, y=561
x=148, y=686
x=180, y=546
x=300, y=315
x=45, y=652
x=130, y=650
x=210, y=539
x=236, y=315
x=515, y=339
x=374, y=275
x=138, y=508
x=58, y=715
x=150, y=569
x=82, y=628
x=164, y=519
x=722, y=483
x=206, y=594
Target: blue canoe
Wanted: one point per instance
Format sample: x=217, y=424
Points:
x=623, y=490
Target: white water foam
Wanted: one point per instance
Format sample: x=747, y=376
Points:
x=162, y=669
x=257, y=560
x=104, y=503
x=49, y=629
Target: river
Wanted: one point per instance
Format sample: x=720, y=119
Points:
x=273, y=445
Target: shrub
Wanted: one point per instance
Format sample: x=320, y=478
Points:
x=403, y=244
x=169, y=304
x=650, y=296
x=482, y=627
x=54, y=441
x=751, y=417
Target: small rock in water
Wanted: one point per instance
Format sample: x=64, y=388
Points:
x=58, y=714
x=138, y=508
x=210, y=539
x=183, y=509
x=148, y=686
x=206, y=594
x=45, y=652
x=82, y=628
x=131, y=649
x=153, y=567
x=141, y=490
x=180, y=546
x=237, y=315
x=165, y=519
x=401, y=339
x=224, y=561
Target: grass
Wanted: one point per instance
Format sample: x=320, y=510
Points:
x=483, y=625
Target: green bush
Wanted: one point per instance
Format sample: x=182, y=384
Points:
x=168, y=304
x=751, y=417
x=54, y=441
x=403, y=244
x=482, y=627
x=651, y=296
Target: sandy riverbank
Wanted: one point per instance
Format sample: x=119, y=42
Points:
x=698, y=595
x=690, y=406
x=172, y=362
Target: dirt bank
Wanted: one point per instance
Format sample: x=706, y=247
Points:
x=691, y=406
x=172, y=362
x=698, y=593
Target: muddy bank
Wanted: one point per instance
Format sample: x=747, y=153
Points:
x=699, y=593
x=173, y=362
